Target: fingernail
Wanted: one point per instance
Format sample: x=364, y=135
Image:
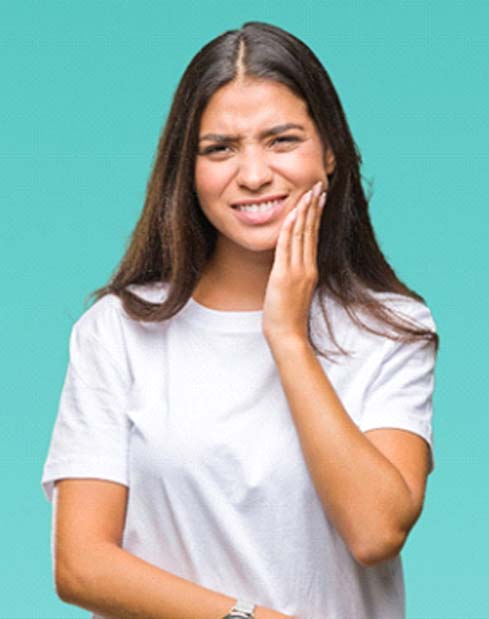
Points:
x=322, y=199
x=316, y=190
x=308, y=196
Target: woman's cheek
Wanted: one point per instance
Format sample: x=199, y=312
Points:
x=303, y=167
x=212, y=178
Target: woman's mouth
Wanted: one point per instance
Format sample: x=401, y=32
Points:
x=260, y=213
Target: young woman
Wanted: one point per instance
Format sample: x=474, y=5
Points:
x=245, y=424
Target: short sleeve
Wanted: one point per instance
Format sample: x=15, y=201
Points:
x=90, y=433
x=401, y=393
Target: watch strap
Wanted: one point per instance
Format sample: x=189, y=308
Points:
x=241, y=610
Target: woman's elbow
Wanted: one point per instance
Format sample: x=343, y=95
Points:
x=69, y=581
x=389, y=548
x=63, y=583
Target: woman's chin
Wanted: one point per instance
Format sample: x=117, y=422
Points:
x=267, y=243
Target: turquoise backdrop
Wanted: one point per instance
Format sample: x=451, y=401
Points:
x=86, y=87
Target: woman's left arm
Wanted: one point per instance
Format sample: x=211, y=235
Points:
x=371, y=484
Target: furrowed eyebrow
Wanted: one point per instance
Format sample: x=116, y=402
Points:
x=219, y=137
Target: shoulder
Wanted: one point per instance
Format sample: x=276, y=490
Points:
x=106, y=316
x=402, y=305
x=98, y=334
x=353, y=335
x=107, y=330
x=409, y=308
x=100, y=318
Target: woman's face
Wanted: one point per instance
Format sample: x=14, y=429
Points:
x=250, y=165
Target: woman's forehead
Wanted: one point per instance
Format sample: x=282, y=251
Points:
x=261, y=105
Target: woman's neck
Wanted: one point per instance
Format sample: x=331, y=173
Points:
x=227, y=285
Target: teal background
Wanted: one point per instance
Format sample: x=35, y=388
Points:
x=86, y=87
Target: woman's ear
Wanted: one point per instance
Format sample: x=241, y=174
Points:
x=329, y=161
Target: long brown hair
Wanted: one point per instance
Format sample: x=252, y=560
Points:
x=173, y=240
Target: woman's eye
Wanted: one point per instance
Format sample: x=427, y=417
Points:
x=212, y=149
x=218, y=149
x=287, y=138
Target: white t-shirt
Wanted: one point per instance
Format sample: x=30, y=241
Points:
x=191, y=416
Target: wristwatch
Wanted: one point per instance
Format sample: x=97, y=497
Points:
x=241, y=610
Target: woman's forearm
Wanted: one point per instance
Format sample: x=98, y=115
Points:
x=362, y=492
x=118, y=585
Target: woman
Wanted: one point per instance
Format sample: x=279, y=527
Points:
x=210, y=457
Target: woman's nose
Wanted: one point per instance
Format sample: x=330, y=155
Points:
x=254, y=169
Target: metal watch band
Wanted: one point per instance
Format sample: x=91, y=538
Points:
x=241, y=610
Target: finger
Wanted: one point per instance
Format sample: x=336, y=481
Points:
x=322, y=202
x=282, y=249
x=311, y=251
x=297, y=240
x=310, y=234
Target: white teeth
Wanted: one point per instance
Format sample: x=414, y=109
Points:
x=258, y=208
